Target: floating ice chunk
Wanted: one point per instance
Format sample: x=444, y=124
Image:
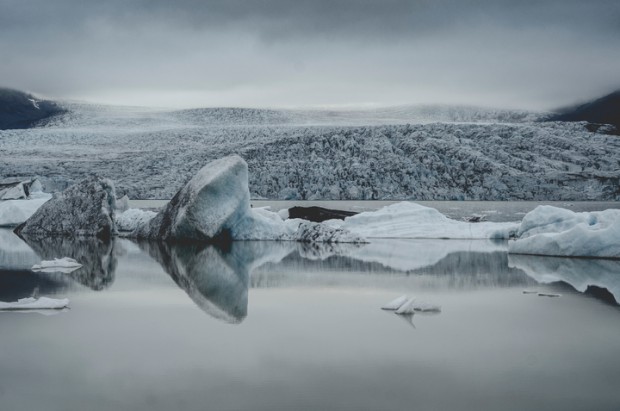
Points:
x=15, y=212
x=133, y=218
x=411, y=220
x=84, y=209
x=396, y=303
x=413, y=305
x=556, y=231
x=43, y=303
x=62, y=265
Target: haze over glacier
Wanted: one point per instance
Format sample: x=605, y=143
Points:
x=408, y=152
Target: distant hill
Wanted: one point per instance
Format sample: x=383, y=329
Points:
x=22, y=110
x=605, y=110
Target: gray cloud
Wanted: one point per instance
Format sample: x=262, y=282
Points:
x=533, y=54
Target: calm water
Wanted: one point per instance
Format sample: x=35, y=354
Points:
x=496, y=211
x=286, y=326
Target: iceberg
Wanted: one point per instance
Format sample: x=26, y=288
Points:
x=85, y=209
x=133, y=218
x=214, y=206
x=554, y=231
x=57, y=265
x=30, y=303
x=15, y=212
x=207, y=207
x=411, y=220
x=19, y=190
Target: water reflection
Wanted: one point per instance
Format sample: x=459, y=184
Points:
x=215, y=278
x=579, y=273
x=96, y=256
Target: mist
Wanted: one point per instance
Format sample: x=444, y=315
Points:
x=528, y=54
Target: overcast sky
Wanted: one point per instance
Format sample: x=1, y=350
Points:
x=291, y=53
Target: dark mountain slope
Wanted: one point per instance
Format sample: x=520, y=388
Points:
x=22, y=110
x=605, y=110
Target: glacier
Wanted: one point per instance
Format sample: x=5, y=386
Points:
x=309, y=156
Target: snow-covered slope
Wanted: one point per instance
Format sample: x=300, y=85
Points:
x=323, y=154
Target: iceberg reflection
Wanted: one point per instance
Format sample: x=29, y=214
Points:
x=215, y=278
x=97, y=257
x=580, y=273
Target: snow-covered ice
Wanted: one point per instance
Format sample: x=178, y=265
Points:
x=557, y=231
x=30, y=303
x=413, y=305
x=215, y=204
x=396, y=303
x=15, y=212
x=207, y=207
x=133, y=218
x=411, y=220
x=61, y=265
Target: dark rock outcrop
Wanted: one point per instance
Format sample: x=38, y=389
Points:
x=318, y=214
x=605, y=110
x=85, y=209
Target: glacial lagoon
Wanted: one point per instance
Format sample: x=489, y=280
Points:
x=282, y=326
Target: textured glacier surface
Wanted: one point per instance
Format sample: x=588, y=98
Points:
x=464, y=155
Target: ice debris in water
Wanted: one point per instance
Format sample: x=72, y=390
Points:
x=407, y=305
x=396, y=303
x=30, y=303
x=414, y=305
x=63, y=265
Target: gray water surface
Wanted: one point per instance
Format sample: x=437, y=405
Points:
x=288, y=326
x=496, y=211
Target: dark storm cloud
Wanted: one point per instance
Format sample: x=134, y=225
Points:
x=277, y=52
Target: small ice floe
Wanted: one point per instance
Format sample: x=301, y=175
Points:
x=414, y=305
x=530, y=292
x=58, y=265
x=549, y=295
x=396, y=303
x=405, y=305
x=31, y=303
